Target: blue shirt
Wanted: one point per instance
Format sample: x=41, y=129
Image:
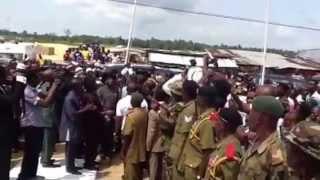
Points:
x=33, y=112
x=70, y=126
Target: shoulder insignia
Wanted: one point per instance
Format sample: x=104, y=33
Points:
x=187, y=119
x=276, y=157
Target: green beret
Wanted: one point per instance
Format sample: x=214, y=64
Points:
x=269, y=105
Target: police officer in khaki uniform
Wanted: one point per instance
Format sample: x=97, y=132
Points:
x=201, y=139
x=183, y=123
x=303, y=151
x=224, y=162
x=167, y=117
x=134, y=140
x=264, y=159
x=155, y=140
x=181, y=109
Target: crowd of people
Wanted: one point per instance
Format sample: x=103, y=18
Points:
x=163, y=125
x=91, y=52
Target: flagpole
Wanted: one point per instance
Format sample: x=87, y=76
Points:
x=265, y=43
x=131, y=31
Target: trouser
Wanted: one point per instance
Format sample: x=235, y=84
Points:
x=91, y=149
x=133, y=171
x=107, y=144
x=5, y=156
x=155, y=166
x=49, y=141
x=16, y=133
x=172, y=171
x=190, y=173
x=32, y=149
x=71, y=154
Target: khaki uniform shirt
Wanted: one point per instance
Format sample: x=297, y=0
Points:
x=183, y=125
x=136, y=126
x=266, y=162
x=223, y=165
x=155, y=139
x=201, y=137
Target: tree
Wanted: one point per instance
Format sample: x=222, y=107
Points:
x=24, y=33
x=67, y=32
x=142, y=43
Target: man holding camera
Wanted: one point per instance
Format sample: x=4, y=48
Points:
x=50, y=120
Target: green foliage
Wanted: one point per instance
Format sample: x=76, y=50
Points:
x=152, y=43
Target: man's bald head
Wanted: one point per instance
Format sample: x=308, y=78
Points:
x=132, y=87
x=265, y=90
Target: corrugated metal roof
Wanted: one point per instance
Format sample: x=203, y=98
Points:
x=242, y=57
x=273, y=60
x=313, y=54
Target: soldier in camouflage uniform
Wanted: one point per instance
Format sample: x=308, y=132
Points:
x=264, y=159
x=224, y=162
x=303, y=151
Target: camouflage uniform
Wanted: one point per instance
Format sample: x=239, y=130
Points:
x=305, y=136
x=265, y=162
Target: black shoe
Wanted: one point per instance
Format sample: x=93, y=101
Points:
x=74, y=172
x=92, y=168
x=52, y=161
x=32, y=178
x=50, y=165
x=78, y=168
x=38, y=178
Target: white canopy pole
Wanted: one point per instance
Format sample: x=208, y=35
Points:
x=131, y=31
x=265, y=44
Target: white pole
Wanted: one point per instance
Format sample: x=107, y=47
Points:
x=265, y=44
x=131, y=31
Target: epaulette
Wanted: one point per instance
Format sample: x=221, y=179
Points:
x=130, y=111
x=230, y=154
x=178, y=107
x=276, y=157
x=195, y=128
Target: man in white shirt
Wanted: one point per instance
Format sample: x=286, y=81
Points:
x=124, y=105
x=316, y=94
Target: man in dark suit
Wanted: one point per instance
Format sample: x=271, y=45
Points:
x=8, y=97
x=70, y=127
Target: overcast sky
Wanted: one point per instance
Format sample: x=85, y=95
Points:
x=105, y=18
